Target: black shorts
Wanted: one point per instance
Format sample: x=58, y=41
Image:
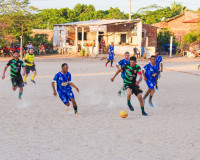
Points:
x=17, y=81
x=30, y=68
x=134, y=88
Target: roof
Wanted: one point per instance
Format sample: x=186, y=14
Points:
x=97, y=22
x=180, y=15
x=195, y=20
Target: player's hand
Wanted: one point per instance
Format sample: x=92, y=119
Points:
x=3, y=77
x=112, y=79
x=55, y=93
x=137, y=83
x=23, y=73
x=145, y=78
x=77, y=89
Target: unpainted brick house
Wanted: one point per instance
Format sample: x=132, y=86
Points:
x=181, y=24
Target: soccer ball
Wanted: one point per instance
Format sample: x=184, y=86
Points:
x=123, y=114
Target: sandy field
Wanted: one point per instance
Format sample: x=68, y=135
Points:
x=38, y=128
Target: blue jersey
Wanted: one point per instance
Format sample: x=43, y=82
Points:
x=62, y=81
x=151, y=72
x=158, y=61
x=111, y=53
x=122, y=63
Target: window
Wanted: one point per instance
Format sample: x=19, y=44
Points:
x=80, y=35
x=135, y=31
x=123, y=38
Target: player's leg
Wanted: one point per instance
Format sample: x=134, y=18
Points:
x=74, y=106
x=139, y=96
x=34, y=74
x=129, y=93
x=67, y=108
x=14, y=83
x=107, y=63
x=146, y=95
x=151, y=96
x=20, y=84
x=111, y=63
x=26, y=75
x=157, y=80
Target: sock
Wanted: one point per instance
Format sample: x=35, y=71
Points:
x=111, y=63
x=129, y=103
x=150, y=98
x=145, y=96
x=25, y=77
x=142, y=109
x=75, y=109
x=20, y=94
x=33, y=76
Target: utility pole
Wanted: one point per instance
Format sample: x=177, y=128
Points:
x=130, y=12
x=21, y=44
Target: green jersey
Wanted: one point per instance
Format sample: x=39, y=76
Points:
x=15, y=67
x=131, y=73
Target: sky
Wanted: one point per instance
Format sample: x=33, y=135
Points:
x=123, y=5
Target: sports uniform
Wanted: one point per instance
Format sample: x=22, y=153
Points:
x=29, y=62
x=15, y=72
x=122, y=63
x=130, y=78
x=151, y=73
x=63, y=88
x=111, y=53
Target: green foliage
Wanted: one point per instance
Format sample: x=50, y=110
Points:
x=154, y=13
x=191, y=37
x=37, y=39
x=164, y=37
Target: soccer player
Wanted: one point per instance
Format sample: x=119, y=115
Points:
x=159, y=64
x=119, y=65
x=110, y=55
x=131, y=84
x=30, y=65
x=15, y=73
x=64, y=87
x=150, y=74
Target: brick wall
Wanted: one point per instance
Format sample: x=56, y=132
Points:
x=43, y=31
x=151, y=33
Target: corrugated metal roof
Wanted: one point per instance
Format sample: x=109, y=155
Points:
x=97, y=22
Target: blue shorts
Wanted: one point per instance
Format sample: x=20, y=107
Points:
x=65, y=97
x=123, y=76
x=151, y=84
x=111, y=58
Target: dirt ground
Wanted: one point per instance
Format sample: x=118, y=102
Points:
x=38, y=128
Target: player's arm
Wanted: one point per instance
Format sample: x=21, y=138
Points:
x=143, y=73
x=4, y=71
x=161, y=66
x=54, y=88
x=140, y=78
x=117, y=65
x=118, y=71
x=73, y=85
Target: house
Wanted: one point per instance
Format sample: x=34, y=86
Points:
x=125, y=34
x=181, y=24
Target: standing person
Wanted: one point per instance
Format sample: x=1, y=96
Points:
x=159, y=64
x=93, y=45
x=131, y=84
x=15, y=73
x=110, y=54
x=64, y=87
x=150, y=73
x=119, y=65
x=30, y=65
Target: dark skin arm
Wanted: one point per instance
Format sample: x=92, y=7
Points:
x=54, y=88
x=4, y=71
x=144, y=75
x=118, y=71
x=72, y=85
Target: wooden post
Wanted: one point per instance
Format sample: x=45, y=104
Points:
x=97, y=42
x=82, y=38
x=130, y=12
x=171, y=42
x=21, y=44
x=76, y=38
